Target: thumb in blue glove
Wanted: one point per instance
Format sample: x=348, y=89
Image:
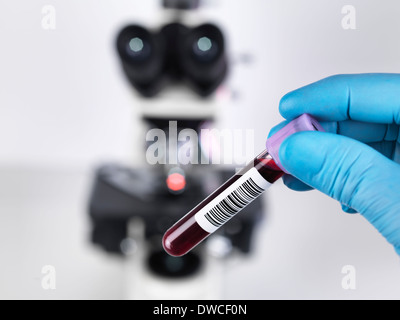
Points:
x=357, y=160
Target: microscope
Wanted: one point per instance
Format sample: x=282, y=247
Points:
x=175, y=71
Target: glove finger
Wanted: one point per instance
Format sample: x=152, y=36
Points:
x=350, y=172
x=370, y=98
x=396, y=153
x=361, y=131
x=348, y=209
x=386, y=148
x=368, y=132
x=277, y=128
x=295, y=184
x=290, y=181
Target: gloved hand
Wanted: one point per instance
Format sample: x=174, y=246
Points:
x=357, y=160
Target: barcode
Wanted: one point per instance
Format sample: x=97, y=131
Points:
x=233, y=203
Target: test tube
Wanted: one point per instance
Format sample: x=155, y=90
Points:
x=235, y=194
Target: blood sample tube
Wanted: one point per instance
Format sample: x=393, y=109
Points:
x=235, y=194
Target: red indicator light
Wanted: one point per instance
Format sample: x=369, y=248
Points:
x=176, y=182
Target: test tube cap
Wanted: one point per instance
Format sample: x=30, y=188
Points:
x=304, y=122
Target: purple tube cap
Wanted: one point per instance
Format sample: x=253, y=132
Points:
x=305, y=122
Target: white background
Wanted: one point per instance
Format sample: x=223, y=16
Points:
x=65, y=107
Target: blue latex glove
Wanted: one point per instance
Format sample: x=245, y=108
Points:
x=357, y=161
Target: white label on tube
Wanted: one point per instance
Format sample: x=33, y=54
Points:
x=232, y=200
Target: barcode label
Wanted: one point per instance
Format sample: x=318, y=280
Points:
x=236, y=197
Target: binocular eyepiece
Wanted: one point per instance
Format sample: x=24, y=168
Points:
x=175, y=53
